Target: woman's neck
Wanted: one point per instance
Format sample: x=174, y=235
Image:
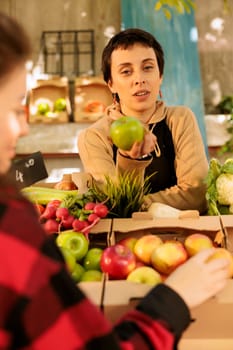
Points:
x=144, y=116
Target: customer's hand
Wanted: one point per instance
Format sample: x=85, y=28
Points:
x=196, y=280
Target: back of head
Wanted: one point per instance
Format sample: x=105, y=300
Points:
x=126, y=39
x=15, y=49
x=14, y=44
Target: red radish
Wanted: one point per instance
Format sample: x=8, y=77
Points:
x=51, y=226
x=89, y=206
x=86, y=230
x=92, y=217
x=62, y=213
x=49, y=213
x=55, y=203
x=67, y=222
x=101, y=210
x=78, y=225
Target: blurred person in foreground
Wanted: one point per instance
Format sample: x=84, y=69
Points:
x=172, y=152
x=41, y=307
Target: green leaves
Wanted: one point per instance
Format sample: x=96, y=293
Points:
x=214, y=193
x=124, y=196
x=179, y=6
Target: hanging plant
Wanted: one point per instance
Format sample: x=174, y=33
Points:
x=182, y=6
x=179, y=6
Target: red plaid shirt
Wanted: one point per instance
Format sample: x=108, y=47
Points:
x=42, y=308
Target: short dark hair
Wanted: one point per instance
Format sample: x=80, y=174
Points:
x=15, y=45
x=125, y=39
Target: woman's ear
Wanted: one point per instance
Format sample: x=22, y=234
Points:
x=110, y=86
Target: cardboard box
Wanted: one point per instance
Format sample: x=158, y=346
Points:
x=212, y=329
x=92, y=96
x=228, y=223
x=49, y=91
x=165, y=227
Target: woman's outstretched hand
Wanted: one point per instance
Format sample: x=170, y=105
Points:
x=197, y=280
x=140, y=149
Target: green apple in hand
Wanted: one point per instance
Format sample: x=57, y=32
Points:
x=91, y=276
x=125, y=131
x=145, y=274
x=92, y=259
x=75, y=242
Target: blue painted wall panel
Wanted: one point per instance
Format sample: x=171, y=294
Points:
x=182, y=80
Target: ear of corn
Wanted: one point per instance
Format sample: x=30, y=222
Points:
x=43, y=195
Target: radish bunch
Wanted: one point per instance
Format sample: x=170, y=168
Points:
x=55, y=217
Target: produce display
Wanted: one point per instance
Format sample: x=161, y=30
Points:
x=70, y=215
x=44, y=106
x=82, y=260
x=150, y=259
x=219, y=181
x=61, y=210
x=48, y=108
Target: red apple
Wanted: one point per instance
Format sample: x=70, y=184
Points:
x=145, y=274
x=118, y=261
x=196, y=242
x=168, y=256
x=220, y=253
x=145, y=245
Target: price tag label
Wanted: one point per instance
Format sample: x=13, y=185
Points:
x=29, y=170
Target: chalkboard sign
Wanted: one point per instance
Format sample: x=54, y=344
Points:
x=29, y=170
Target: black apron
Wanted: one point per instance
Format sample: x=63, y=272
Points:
x=162, y=167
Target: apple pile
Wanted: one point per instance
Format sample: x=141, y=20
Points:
x=55, y=217
x=82, y=260
x=149, y=259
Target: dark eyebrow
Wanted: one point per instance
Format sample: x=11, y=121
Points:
x=144, y=61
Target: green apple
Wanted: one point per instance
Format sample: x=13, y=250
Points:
x=125, y=131
x=77, y=272
x=69, y=259
x=91, y=276
x=92, y=259
x=60, y=105
x=145, y=274
x=75, y=242
x=43, y=108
